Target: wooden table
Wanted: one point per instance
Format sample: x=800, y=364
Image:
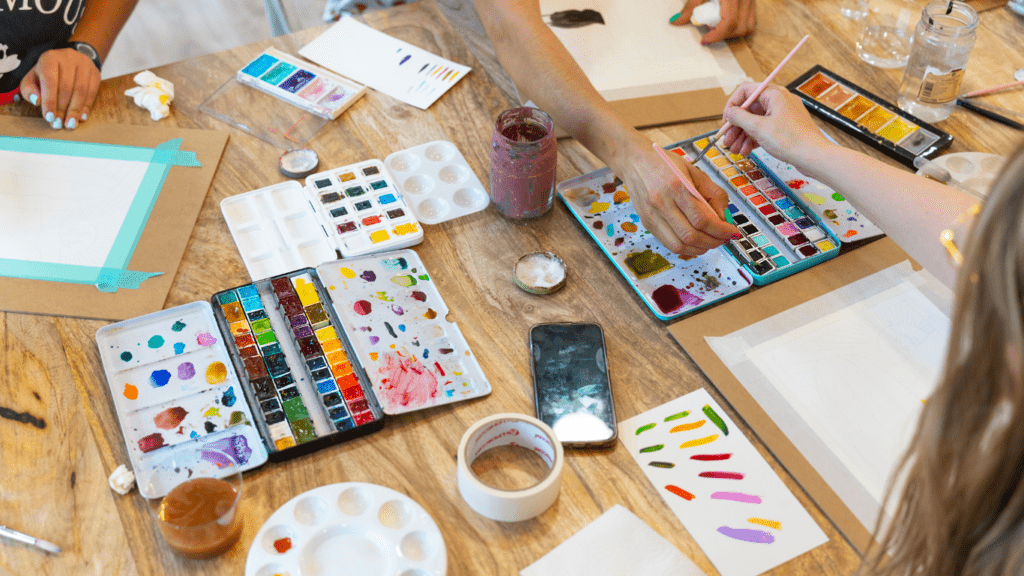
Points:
x=53, y=474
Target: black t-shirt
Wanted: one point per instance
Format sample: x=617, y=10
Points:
x=27, y=29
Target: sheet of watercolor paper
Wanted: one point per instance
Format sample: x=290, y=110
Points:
x=726, y=495
x=384, y=63
x=845, y=376
x=636, y=52
x=63, y=209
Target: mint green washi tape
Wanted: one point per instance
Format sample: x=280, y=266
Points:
x=114, y=273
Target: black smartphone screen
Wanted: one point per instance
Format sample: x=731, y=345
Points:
x=571, y=385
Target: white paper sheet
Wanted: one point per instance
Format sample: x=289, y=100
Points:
x=63, y=209
x=731, y=519
x=384, y=63
x=637, y=53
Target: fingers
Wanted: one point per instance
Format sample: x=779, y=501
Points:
x=684, y=15
x=712, y=222
x=84, y=91
x=30, y=87
x=64, y=84
x=737, y=20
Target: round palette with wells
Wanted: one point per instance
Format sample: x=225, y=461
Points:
x=437, y=182
x=348, y=529
x=976, y=170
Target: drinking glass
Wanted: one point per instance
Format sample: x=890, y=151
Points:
x=886, y=32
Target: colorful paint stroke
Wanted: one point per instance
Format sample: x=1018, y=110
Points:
x=738, y=510
x=412, y=355
x=311, y=88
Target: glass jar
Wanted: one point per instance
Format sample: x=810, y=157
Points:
x=523, y=155
x=885, y=32
x=941, y=46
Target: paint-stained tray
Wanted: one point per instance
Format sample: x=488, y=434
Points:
x=396, y=320
x=174, y=388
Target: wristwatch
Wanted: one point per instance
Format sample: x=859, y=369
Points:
x=88, y=50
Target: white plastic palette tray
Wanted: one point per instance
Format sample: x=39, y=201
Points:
x=175, y=389
x=349, y=529
x=396, y=320
x=437, y=181
x=354, y=210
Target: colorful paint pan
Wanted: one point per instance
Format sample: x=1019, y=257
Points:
x=879, y=123
x=309, y=87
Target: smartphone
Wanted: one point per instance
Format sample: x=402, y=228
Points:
x=571, y=388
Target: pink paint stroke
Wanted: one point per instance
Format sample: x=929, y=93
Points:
x=737, y=497
x=407, y=382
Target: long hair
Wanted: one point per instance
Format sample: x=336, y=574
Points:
x=961, y=508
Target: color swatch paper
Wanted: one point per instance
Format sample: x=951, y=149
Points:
x=726, y=495
x=384, y=63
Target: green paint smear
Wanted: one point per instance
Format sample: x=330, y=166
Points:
x=644, y=428
x=661, y=464
x=837, y=197
x=178, y=326
x=654, y=448
x=682, y=414
x=424, y=277
x=716, y=419
x=156, y=341
x=126, y=356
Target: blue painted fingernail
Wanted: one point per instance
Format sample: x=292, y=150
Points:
x=57, y=124
x=17, y=98
x=84, y=116
x=72, y=124
x=49, y=117
x=673, y=19
x=34, y=99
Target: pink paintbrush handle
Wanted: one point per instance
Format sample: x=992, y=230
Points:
x=992, y=89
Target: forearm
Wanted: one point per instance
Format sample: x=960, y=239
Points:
x=101, y=22
x=912, y=210
x=543, y=69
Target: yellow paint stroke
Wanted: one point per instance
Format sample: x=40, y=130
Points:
x=599, y=207
x=403, y=229
x=213, y=411
x=131, y=392
x=347, y=272
x=216, y=373
x=814, y=198
x=689, y=426
x=699, y=441
x=306, y=291
x=769, y=523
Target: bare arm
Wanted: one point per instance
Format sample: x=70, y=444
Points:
x=64, y=82
x=542, y=68
x=912, y=210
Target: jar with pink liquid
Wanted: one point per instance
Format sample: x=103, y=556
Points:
x=523, y=154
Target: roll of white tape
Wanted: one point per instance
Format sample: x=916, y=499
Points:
x=510, y=430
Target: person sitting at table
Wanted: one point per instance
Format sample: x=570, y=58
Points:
x=541, y=67
x=51, y=55
x=959, y=507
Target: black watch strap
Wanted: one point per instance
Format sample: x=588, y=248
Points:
x=88, y=50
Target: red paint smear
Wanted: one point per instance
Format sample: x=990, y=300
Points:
x=710, y=457
x=420, y=296
x=439, y=369
x=170, y=418
x=850, y=233
x=680, y=492
x=282, y=545
x=362, y=307
x=409, y=382
x=722, y=475
x=796, y=184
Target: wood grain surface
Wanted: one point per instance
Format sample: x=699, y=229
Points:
x=59, y=438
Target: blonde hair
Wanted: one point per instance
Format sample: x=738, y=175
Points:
x=961, y=508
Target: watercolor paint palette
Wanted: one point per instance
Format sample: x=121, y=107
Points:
x=438, y=183
x=348, y=528
x=396, y=320
x=898, y=134
x=781, y=236
x=305, y=85
x=352, y=210
x=174, y=389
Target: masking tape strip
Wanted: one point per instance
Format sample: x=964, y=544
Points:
x=510, y=430
x=114, y=273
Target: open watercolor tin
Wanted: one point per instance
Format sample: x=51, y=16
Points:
x=351, y=528
x=309, y=87
x=781, y=235
x=275, y=369
x=898, y=134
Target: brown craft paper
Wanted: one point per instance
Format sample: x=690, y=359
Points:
x=163, y=240
x=763, y=303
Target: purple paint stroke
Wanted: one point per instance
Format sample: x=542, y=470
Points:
x=737, y=497
x=747, y=535
x=186, y=370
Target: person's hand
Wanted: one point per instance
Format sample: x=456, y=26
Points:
x=777, y=121
x=738, y=19
x=682, y=224
x=63, y=83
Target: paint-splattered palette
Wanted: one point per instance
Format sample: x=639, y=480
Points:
x=832, y=209
x=300, y=83
x=353, y=210
x=396, y=319
x=296, y=364
x=174, y=387
x=348, y=528
x=669, y=284
x=726, y=495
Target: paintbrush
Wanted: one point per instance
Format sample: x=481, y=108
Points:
x=963, y=103
x=37, y=542
x=992, y=89
x=750, y=100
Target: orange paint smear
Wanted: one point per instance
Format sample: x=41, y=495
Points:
x=690, y=426
x=131, y=392
x=680, y=492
